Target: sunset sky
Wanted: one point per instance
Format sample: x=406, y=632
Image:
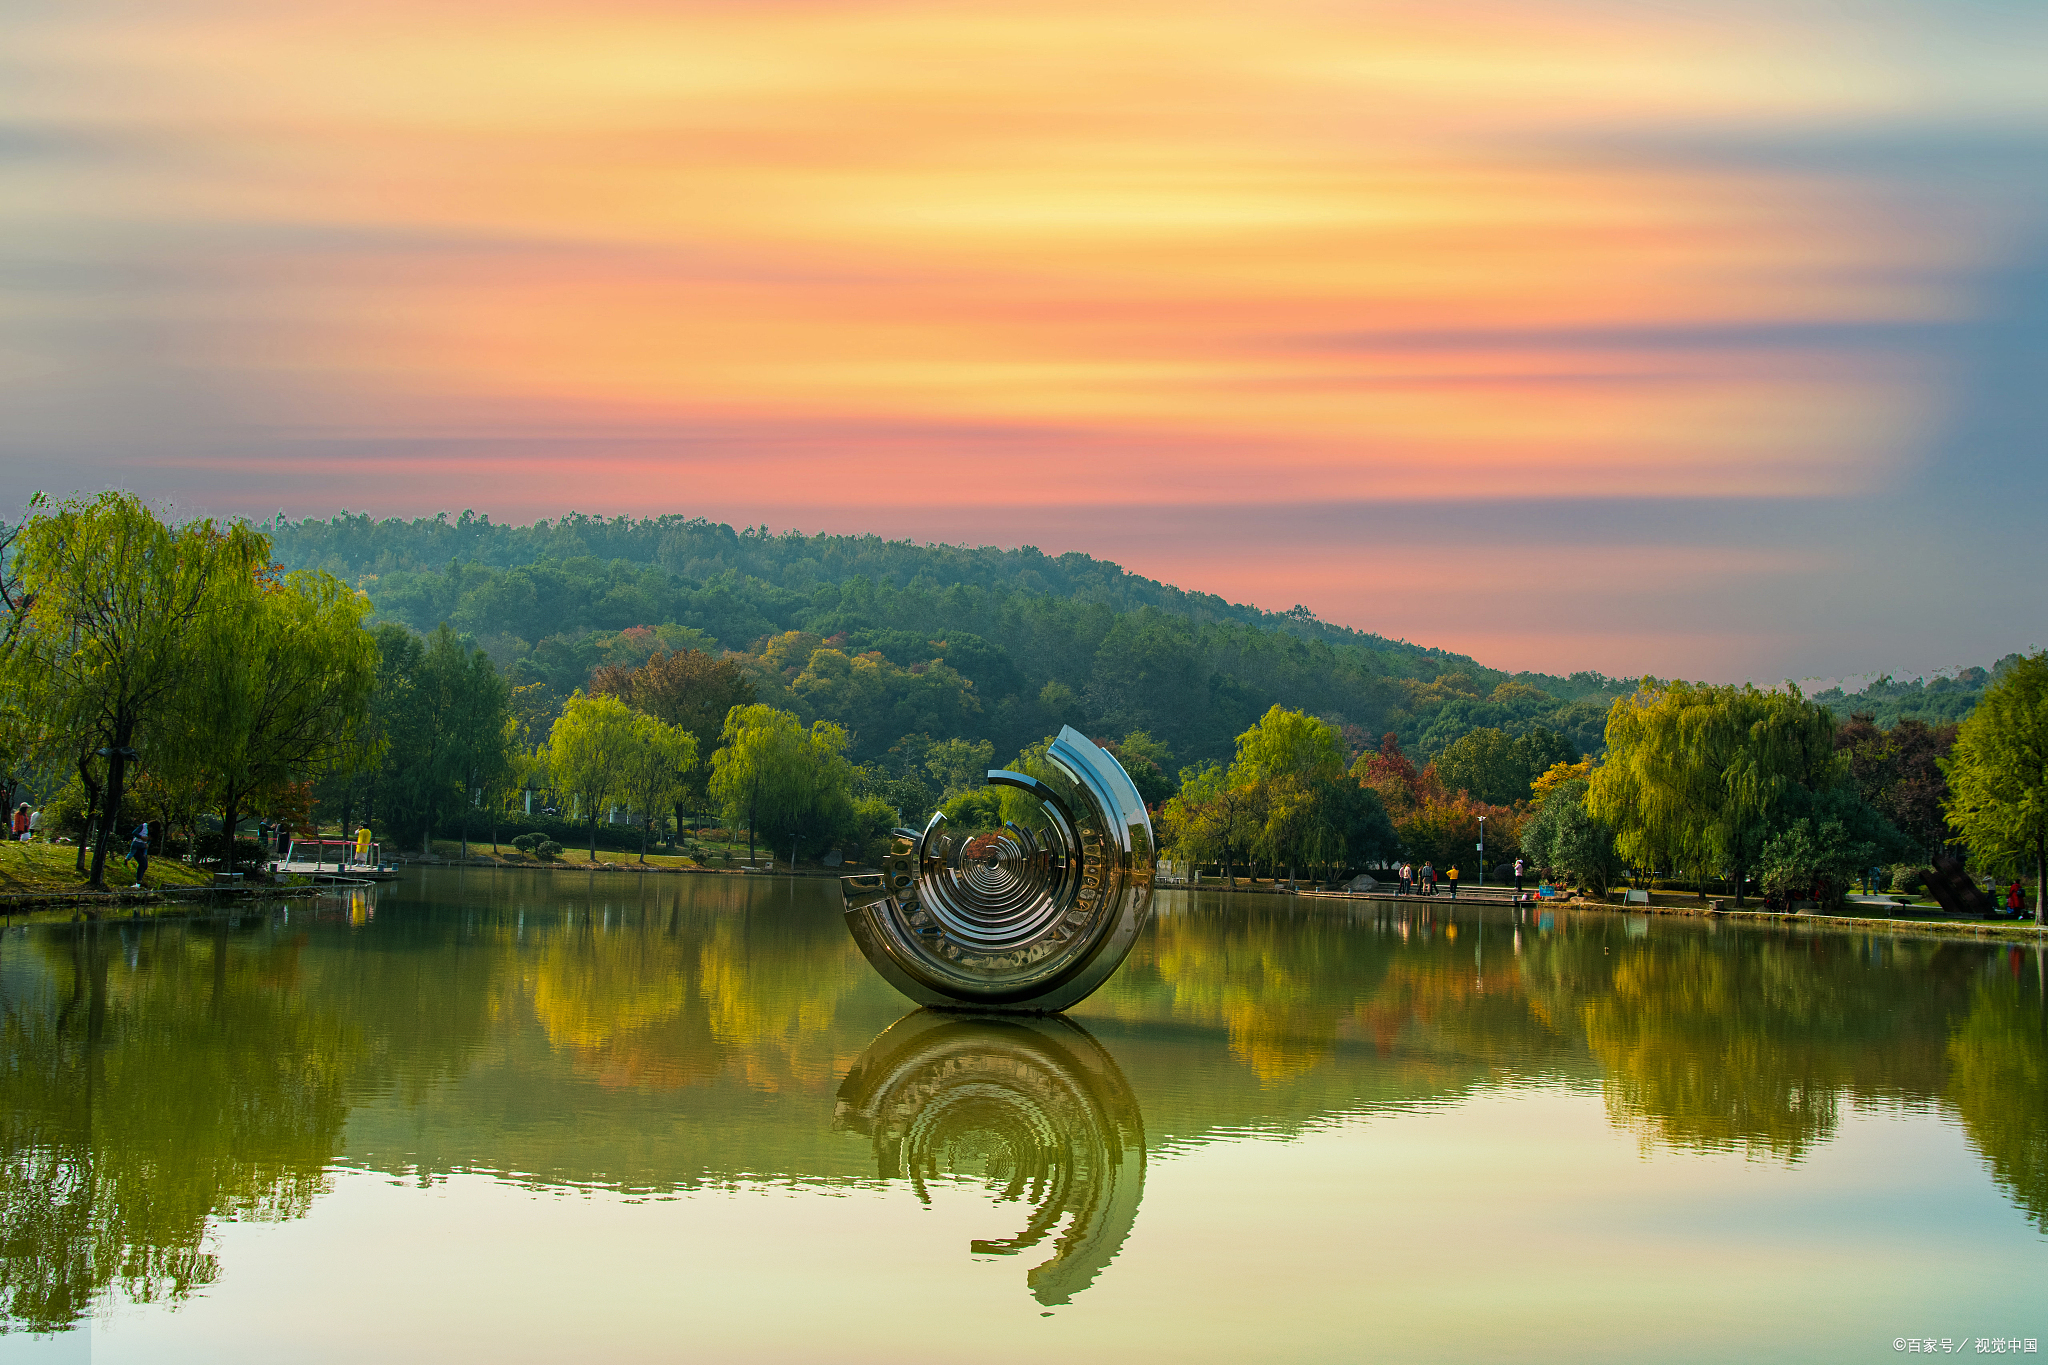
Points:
x=1700, y=339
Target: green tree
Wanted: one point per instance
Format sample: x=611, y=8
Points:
x=781, y=779
x=592, y=751
x=1148, y=762
x=1699, y=777
x=687, y=687
x=1485, y=764
x=444, y=715
x=1998, y=775
x=960, y=765
x=111, y=600
x=1809, y=853
x=1215, y=816
x=1288, y=743
x=278, y=684
x=1569, y=840
x=663, y=756
x=484, y=734
x=1288, y=757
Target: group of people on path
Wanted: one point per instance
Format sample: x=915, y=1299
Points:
x=1422, y=881
x=27, y=823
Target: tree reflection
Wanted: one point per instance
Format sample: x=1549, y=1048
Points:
x=1033, y=1107
x=156, y=1079
x=1999, y=1085
x=1748, y=1041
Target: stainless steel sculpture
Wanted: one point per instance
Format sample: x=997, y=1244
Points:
x=1016, y=919
x=1036, y=1107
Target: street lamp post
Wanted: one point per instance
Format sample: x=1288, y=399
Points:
x=1482, y=850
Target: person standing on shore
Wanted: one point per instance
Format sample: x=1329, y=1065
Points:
x=1428, y=878
x=1518, y=879
x=138, y=853
x=1401, y=880
x=1451, y=873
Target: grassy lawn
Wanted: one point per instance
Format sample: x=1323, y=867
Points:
x=45, y=869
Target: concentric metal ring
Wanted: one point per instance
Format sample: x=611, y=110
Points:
x=1015, y=919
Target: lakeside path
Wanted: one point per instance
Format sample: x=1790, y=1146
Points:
x=2022, y=931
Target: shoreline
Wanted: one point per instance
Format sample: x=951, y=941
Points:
x=2024, y=930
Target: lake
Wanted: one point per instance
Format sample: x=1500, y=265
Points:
x=508, y=1116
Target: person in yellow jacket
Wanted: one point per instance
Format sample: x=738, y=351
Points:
x=362, y=843
x=1452, y=877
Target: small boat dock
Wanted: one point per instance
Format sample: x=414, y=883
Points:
x=336, y=860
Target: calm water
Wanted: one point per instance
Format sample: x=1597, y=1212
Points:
x=514, y=1117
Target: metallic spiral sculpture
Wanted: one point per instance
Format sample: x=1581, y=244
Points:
x=1035, y=1107
x=1016, y=919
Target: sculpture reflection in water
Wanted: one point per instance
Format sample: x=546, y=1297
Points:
x=1030, y=918
x=1034, y=1106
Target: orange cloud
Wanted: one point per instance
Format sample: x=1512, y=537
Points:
x=1111, y=223
x=874, y=265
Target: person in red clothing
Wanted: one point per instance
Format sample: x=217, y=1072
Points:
x=2015, y=898
x=21, y=823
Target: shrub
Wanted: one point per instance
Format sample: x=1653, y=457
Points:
x=548, y=850
x=64, y=813
x=527, y=843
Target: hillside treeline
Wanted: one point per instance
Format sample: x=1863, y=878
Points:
x=890, y=639
x=1931, y=701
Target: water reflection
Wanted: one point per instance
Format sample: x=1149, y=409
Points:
x=153, y=1084
x=658, y=1036
x=1035, y=1108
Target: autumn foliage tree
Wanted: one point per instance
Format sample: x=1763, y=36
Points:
x=687, y=688
x=1898, y=771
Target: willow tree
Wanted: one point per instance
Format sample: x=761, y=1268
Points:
x=1288, y=758
x=1696, y=776
x=278, y=686
x=1998, y=775
x=782, y=779
x=112, y=599
x=657, y=768
x=590, y=753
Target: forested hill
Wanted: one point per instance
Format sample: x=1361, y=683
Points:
x=1937, y=701
x=894, y=639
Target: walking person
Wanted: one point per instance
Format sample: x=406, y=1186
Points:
x=21, y=823
x=35, y=823
x=1452, y=875
x=138, y=853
